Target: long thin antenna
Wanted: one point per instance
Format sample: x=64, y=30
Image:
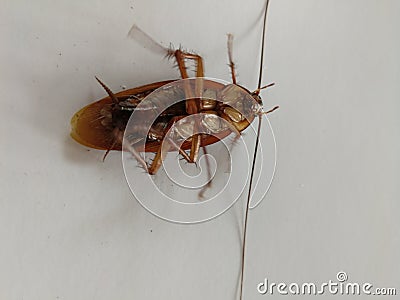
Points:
x=248, y=204
x=262, y=45
x=254, y=155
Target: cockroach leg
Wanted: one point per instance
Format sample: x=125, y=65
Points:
x=118, y=135
x=180, y=57
x=174, y=145
x=235, y=131
x=192, y=102
x=109, y=92
x=180, y=150
x=209, y=181
x=230, y=57
x=109, y=149
x=192, y=105
x=231, y=125
x=161, y=154
x=194, y=150
x=128, y=147
x=166, y=145
x=157, y=161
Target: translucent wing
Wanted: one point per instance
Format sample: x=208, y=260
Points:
x=146, y=41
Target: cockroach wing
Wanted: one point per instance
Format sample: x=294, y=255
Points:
x=87, y=126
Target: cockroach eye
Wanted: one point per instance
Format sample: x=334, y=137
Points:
x=257, y=97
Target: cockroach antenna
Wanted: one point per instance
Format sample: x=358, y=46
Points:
x=259, y=88
x=263, y=45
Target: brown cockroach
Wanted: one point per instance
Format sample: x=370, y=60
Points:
x=101, y=125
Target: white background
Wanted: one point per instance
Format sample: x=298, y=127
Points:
x=69, y=227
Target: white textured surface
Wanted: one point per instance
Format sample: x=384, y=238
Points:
x=69, y=228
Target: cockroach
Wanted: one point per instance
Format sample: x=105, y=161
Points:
x=101, y=125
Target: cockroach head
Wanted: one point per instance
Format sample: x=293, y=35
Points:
x=256, y=96
x=256, y=93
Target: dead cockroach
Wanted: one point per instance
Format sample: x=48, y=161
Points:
x=101, y=125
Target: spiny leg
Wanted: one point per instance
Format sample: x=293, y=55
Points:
x=108, y=90
x=230, y=57
x=192, y=104
x=174, y=145
x=157, y=161
x=109, y=149
x=180, y=57
x=162, y=151
x=179, y=149
x=193, y=101
x=130, y=148
x=166, y=144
